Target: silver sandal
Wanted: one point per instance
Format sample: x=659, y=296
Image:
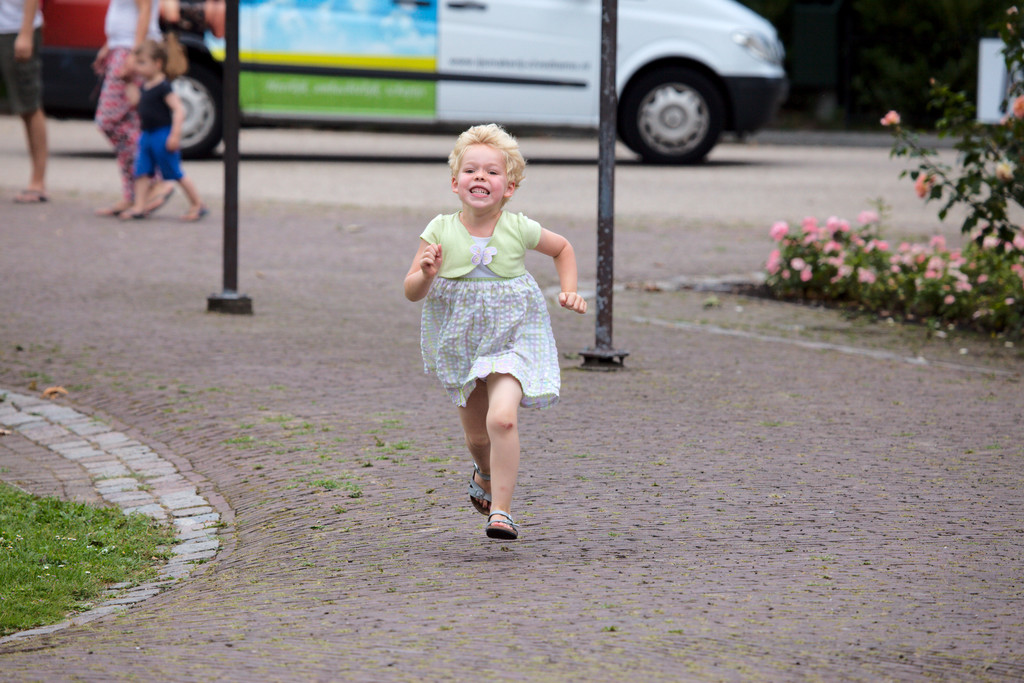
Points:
x=476, y=492
x=505, y=529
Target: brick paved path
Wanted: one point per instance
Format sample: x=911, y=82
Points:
x=729, y=507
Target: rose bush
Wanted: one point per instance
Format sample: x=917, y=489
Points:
x=980, y=285
x=988, y=179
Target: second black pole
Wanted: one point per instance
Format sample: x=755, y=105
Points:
x=603, y=354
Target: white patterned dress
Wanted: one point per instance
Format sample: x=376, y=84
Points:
x=473, y=327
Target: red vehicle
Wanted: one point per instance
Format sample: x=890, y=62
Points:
x=73, y=34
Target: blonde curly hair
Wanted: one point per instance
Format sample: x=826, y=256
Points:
x=494, y=136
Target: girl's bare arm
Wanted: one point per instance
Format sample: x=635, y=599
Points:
x=557, y=247
x=173, y=103
x=145, y=8
x=423, y=270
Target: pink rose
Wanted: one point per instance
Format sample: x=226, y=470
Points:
x=1018, y=240
x=867, y=217
x=774, y=261
x=798, y=263
x=938, y=243
x=949, y=300
x=1018, y=107
x=836, y=224
x=806, y=275
x=923, y=185
x=892, y=118
x=779, y=230
x=865, y=276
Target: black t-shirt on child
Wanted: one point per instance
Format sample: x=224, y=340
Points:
x=153, y=111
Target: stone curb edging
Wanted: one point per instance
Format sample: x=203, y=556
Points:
x=127, y=474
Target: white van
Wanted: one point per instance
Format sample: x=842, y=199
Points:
x=687, y=69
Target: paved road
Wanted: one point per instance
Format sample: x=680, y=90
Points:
x=754, y=183
x=736, y=505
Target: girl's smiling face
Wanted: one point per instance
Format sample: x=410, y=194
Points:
x=482, y=181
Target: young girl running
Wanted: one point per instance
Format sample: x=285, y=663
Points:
x=161, y=114
x=485, y=329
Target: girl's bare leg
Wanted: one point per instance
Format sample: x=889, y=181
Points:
x=195, y=203
x=138, y=207
x=474, y=423
x=503, y=396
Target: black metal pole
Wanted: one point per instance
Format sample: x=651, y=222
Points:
x=603, y=354
x=229, y=300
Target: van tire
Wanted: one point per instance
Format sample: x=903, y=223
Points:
x=200, y=92
x=671, y=116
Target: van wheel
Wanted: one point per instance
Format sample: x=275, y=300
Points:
x=671, y=116
x=200, y=93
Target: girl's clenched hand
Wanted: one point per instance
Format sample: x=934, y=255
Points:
x=430, y=262
x=572, y=301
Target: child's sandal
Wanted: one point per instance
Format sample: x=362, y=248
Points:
x=477, y=493
x=505, y=529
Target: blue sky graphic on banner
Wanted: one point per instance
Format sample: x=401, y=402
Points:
x=343, y=27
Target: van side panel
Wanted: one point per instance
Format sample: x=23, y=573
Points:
x=519, y=61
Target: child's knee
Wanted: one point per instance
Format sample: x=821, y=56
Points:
x=502, y=422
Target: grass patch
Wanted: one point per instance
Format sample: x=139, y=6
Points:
x=56, y=557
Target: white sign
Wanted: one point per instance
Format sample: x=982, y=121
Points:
x=993, y=81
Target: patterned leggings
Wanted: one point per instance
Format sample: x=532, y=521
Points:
x=118, y=119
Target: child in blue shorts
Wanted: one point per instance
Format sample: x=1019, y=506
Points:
x=161, y=115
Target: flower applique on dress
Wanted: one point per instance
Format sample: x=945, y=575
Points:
x=482, y=255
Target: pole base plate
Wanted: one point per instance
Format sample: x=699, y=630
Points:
x=229, y=302
x=603, y=359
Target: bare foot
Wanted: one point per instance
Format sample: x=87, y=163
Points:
x=195, y=213
x=132, y=215
x=114, y=209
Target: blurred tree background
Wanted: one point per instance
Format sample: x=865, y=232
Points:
x=850, y=61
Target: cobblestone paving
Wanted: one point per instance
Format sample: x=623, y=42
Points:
x=60, y=452
x=729, y=507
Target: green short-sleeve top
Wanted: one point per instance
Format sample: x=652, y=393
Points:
x=513, y=235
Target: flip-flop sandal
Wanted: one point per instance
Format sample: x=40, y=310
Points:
x=31, y=197
x=130, y=215
x=504, y=529
x=477, y=493
x=111, y=211
x=195, y=217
